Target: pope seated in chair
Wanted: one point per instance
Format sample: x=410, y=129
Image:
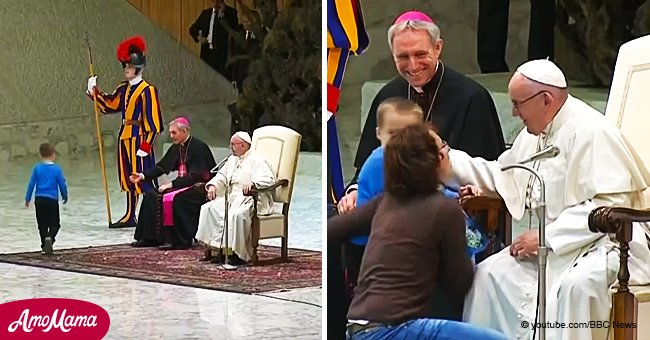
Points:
x=244, y=170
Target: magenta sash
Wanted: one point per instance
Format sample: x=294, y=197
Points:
x=168, y=200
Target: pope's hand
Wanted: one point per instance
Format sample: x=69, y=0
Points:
x=247, y=188
x=135, y=178
x=92, y=83
x=525, y=245
x=164, y=187
x=468, y=191
x=212, y=192
x=348, y=202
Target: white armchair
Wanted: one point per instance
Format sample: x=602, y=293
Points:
x=280, y=146
x=627, y=108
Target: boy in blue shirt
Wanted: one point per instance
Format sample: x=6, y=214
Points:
x=371, y=184
x=394, y=114
x=48, y=180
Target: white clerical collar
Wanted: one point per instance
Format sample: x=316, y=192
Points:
x=186, y=139
x=419, y=89
x=136, y=80
x=48, y=162
x=560, y=117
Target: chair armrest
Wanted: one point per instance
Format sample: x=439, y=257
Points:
x=256, y=191
x=494, y=216
x=491, y=205
x=279, y=183
x=613, y=219
x=619, y=221
x=475, y=203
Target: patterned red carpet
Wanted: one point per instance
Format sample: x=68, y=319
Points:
x=182, y=267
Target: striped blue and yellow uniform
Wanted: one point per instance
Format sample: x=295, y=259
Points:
x=346, y=33
x=141, y=122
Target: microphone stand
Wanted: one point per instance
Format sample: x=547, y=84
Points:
x=226, y=265
x=542, y=250
x=215, y=171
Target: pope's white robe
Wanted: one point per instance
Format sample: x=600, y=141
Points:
x=596, y=167
x=251, y=167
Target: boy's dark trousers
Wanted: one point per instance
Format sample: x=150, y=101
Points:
x=47, y=217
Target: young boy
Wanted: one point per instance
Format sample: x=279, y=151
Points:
x=394, y=114
x=47, y=178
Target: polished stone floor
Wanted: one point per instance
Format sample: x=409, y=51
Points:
x=143, y=310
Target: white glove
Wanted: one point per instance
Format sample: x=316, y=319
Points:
x=144, y=150
x=92, y=83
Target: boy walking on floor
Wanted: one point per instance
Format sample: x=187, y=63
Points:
x=48, y=180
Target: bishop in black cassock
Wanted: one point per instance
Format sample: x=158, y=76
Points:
x=193, y=160
x=461, y=109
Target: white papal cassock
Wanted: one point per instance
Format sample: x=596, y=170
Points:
x=250, y=167
x=596, y=167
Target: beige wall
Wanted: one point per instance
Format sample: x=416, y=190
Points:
x=44, y=70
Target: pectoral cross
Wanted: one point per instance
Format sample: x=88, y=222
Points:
x=182, y=171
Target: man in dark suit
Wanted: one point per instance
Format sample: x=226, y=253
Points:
x=492, y=35
x=208, y=30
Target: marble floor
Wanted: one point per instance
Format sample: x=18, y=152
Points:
x=144, y=310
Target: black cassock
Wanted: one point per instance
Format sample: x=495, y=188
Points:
x=198, y=161
x=462, y=110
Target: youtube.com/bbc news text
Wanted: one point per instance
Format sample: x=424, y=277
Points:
x=590, y=324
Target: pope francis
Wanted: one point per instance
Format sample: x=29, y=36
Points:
x=596, y=167
x=243, y=169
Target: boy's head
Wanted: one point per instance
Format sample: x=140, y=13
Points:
x=46, y=151
x=394, y=114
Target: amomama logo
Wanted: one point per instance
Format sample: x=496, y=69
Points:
x=53, y=318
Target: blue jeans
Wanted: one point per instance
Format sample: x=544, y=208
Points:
x=432, y=329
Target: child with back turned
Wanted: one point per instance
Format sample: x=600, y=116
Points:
x=395, y=114
x=48, y=180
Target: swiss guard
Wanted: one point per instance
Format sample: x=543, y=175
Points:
x=137, y=100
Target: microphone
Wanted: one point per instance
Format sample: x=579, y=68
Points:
x=219, y=166
x=548, y=152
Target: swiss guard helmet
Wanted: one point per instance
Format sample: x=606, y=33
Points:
x=131, y=51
